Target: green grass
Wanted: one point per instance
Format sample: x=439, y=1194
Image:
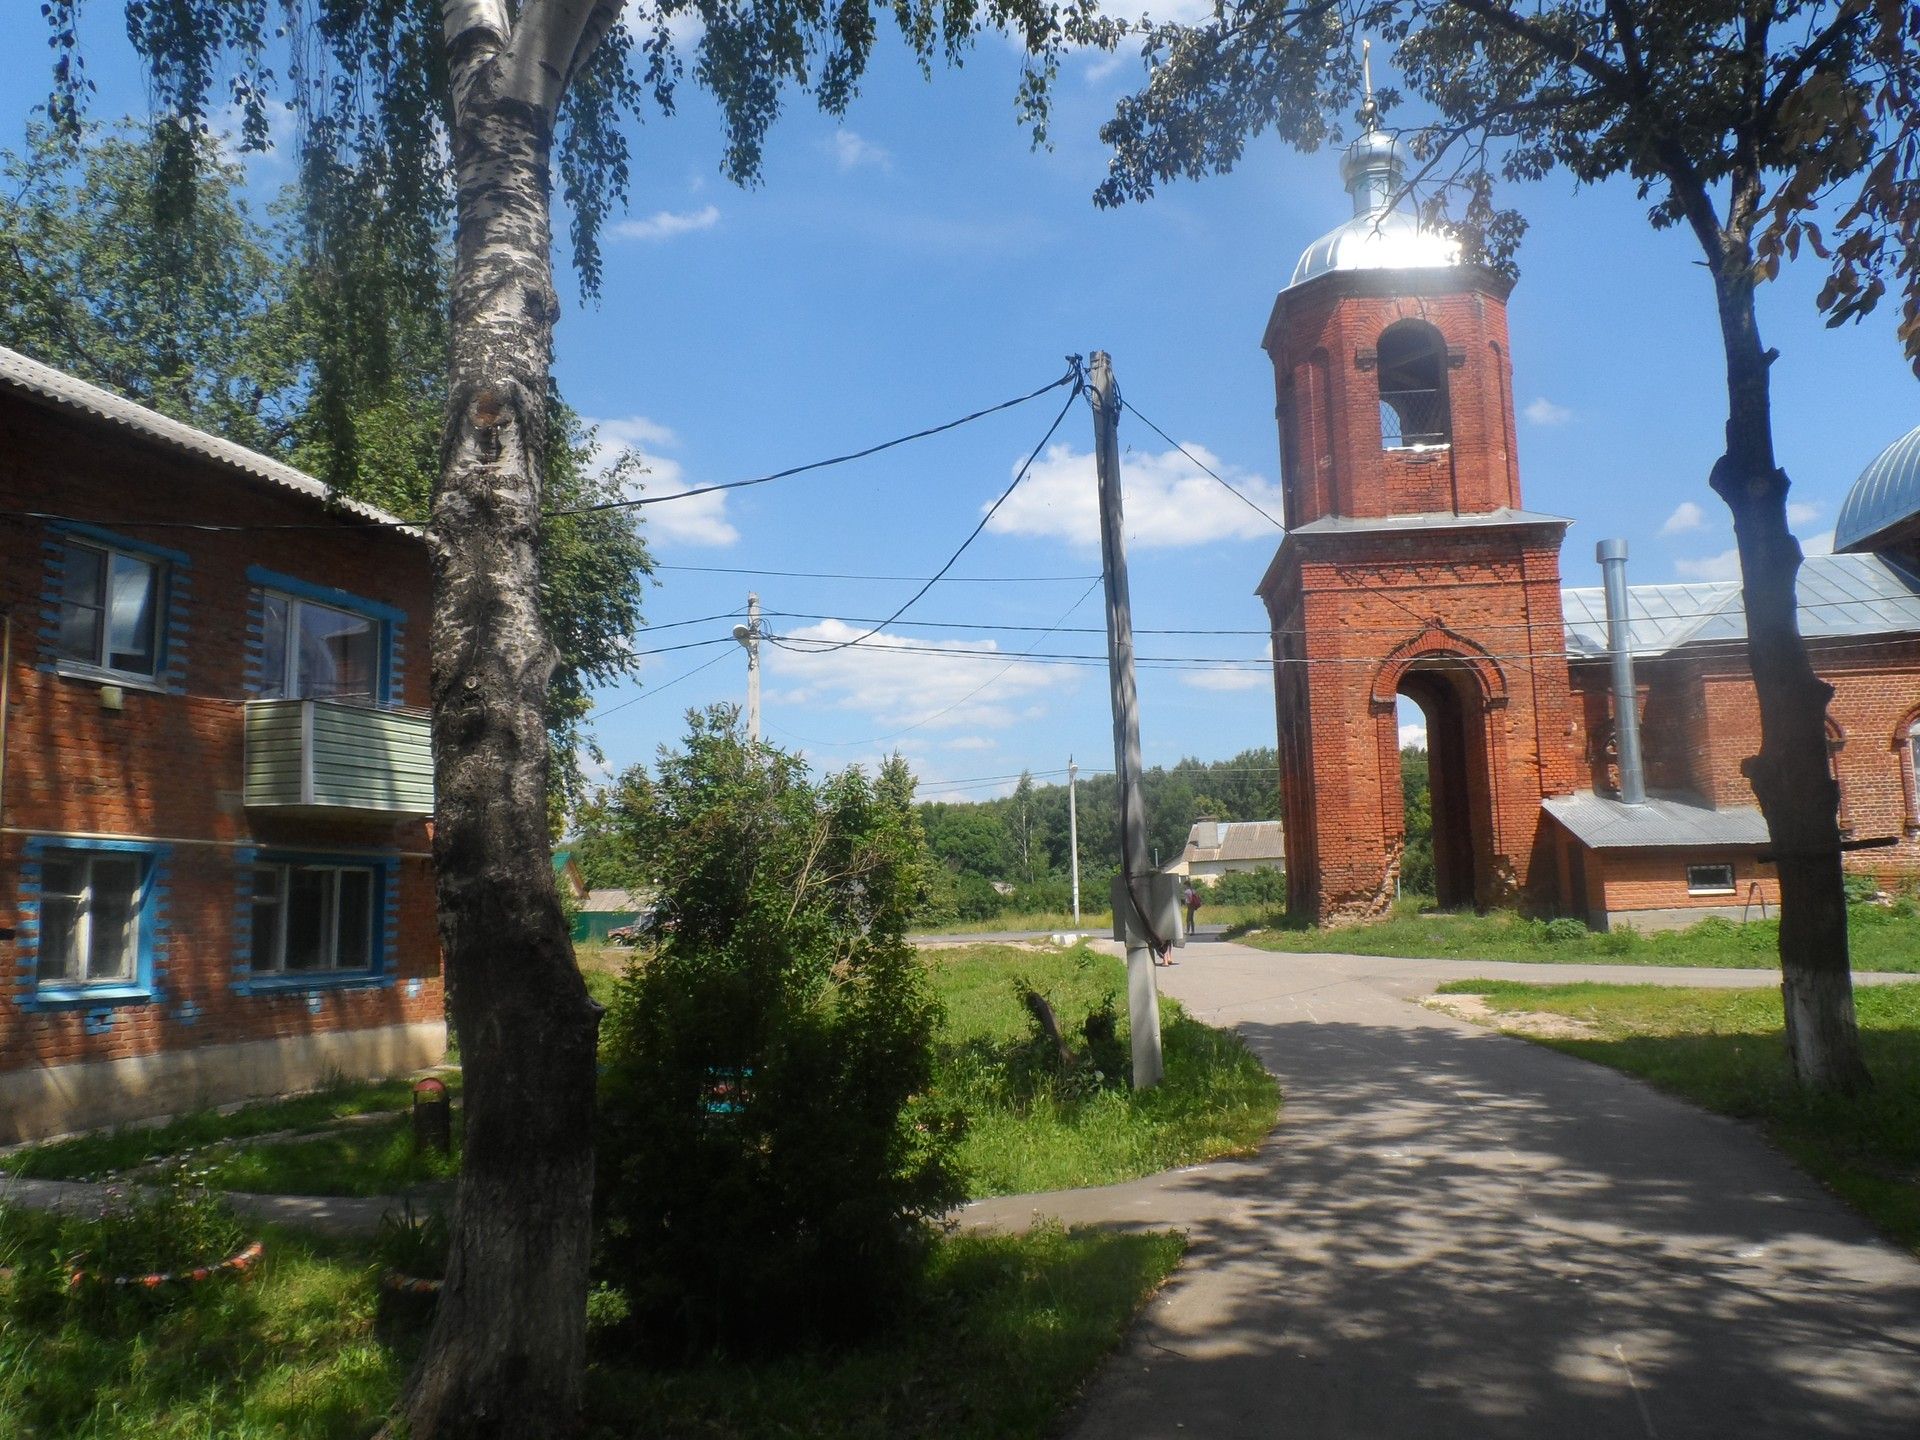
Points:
x=1881, y=938
x=1032, y=1130
x=1092, y=922
x=1726, y=1050
x=372, y=1159
x=1009, y=1329
x=108, y=1152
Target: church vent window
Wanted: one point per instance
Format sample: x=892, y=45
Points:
x=1412, y=366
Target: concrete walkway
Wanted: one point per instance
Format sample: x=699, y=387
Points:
x=1458, y=1234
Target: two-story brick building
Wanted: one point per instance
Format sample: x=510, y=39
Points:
x=215, y=775
x=1412, y=570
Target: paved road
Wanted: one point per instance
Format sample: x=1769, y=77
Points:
x=1457, y=1234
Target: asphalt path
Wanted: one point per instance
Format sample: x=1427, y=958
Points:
x=1454, y=1233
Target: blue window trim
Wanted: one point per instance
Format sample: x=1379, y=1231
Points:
x=120, y=542
x=170, y=636
x=324, y=594
x=152, y=949
x=378, y=974
x=387, y=666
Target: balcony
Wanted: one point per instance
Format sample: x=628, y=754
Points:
x=336, y=758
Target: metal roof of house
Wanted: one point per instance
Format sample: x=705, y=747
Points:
x=1237, y=840
x=1432, y=520
x=613, y=900
x=1840, y=596
x=1886, y=495
x=46, y=385
x=1602, y=823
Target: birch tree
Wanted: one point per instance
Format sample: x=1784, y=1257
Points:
x=415, y=116
x=1739, y=120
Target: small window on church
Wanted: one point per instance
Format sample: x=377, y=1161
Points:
x=1413, y=388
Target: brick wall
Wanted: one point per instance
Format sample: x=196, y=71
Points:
x=167, y=766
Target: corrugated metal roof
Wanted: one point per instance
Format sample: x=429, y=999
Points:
x=610, y=900
x=1886, y=494
x=1840, y=596
x=28, y=377
x=1602, y=823
x=1237, y=840
x=1434, y=520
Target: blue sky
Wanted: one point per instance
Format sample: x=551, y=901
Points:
x=919, y=260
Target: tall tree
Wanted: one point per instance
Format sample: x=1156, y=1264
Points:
x=412, y=112
x=1737, y=118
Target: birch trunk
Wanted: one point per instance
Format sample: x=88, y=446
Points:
x=506, y=1354
x=1790, y=776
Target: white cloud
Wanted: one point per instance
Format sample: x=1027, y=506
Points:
x=1247, y=679
x=665, y=224
x=971, y=742
x=898, y=681
x=1821, y=544
x=1802, y=513
x=851, y=151
x=1169, y=501
x=1686, y=516
x=1724, y=566
x=1414, y=735
x=1542, y=411
x=697, y=520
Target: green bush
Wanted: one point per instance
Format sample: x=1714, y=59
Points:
x=768, y=1160
x=1265, y=886
x=1862, y=889
x=1566, y=930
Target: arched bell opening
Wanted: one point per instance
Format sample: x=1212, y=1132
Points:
x=1448, y=696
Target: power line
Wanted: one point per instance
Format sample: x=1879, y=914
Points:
x=1073, y=374
x=651, y=691
x=1208, y=469
x=398, y=523
x=792, y=470
x=898, y=579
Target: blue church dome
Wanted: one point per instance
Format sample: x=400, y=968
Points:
x=1884, y=499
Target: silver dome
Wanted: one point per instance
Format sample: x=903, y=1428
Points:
x=1886, y=494
x=1379, y=236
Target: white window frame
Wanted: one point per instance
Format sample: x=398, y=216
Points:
x=81, y=947
x=286, y=685
x=1697, y=887
x=97, y=663
x=270, y=949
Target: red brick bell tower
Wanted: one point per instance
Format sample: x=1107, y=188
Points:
x=1409, y=567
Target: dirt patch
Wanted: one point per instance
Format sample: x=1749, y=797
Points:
x=1542, y=1023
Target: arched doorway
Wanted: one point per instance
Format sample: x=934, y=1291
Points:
x=1448, y=696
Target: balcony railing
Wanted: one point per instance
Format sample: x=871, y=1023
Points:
x=335, y=757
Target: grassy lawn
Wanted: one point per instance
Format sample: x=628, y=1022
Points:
x=108, y=1152
x=361, y=1160
x=1726, y=1050
x=1011, y=1328
x=1092, y=922
x=1881, y=939
x=1033, y=1130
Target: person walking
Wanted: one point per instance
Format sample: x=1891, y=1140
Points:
x=1191, y=898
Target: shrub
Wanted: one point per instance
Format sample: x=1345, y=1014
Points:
x=1862, y=889
x=1265, y=886
x=768, y=1162
x=1566, y=930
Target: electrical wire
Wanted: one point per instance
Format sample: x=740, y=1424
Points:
x=1208, y=469
x=650, y=691
x=1073, y=375
x=898, y=579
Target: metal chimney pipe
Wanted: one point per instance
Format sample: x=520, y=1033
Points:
x=1612, y=555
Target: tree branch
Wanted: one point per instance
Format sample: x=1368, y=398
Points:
x=1537, y=35
x=461, y=19
x=552, y=38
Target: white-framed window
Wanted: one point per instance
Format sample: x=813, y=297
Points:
x=110, y=609
x=1710, y=880
x=312, y=917
x=319, y=652
x=90, y=917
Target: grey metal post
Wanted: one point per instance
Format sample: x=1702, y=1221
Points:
x=749, y=636
x=1143, y=993
x=1073, y=832
x=1612, y=555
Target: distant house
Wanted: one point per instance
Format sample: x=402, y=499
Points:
x=605, y=910
x=568, y=878
x=215, y=775
x=1221, y=847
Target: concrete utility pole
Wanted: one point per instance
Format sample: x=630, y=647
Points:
x=1132, y=888
x=749, y=636
x=1073, y=836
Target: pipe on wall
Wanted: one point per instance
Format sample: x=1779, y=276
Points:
x=1612, y=555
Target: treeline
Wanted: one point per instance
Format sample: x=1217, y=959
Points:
x=1012, y=854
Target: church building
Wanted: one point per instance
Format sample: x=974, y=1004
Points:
x=1412, y=568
